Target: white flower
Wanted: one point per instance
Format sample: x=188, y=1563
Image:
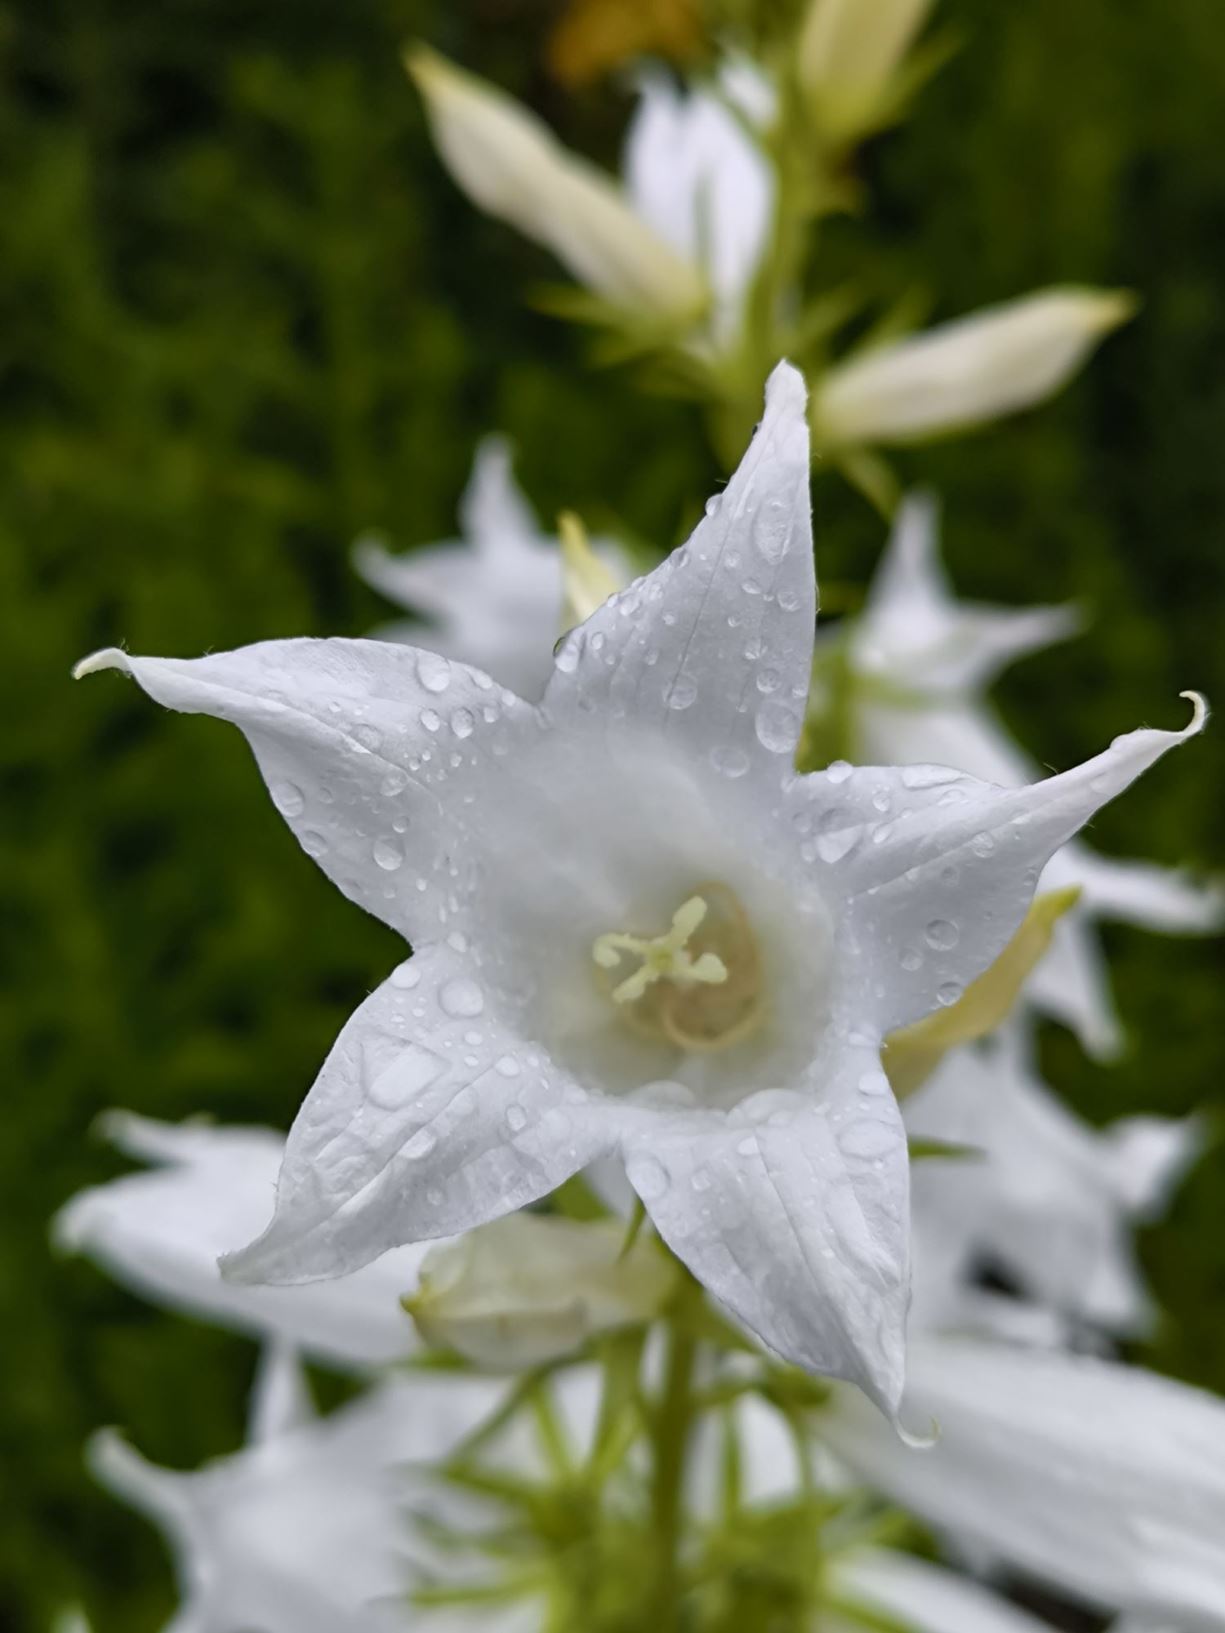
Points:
x=533, y=1287
x=305, y=1531
x=161, y=1232
x=911, y=1594
x=920, y=661
x=964, y=373
x=511, y=165
x=638, y=932
x=688, y=229
x=1050, y=1200
x=494, y=597
x=849, y=59
x=698, y=179
x=1104, y=1480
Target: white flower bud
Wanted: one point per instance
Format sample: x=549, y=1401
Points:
x=960, y=374
x=532, y=1287
x=511, y=165
x=849, y=54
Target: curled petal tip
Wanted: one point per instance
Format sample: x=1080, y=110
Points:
x=108, y=657
x=1199, y=718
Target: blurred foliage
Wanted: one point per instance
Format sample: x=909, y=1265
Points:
x=244, y=315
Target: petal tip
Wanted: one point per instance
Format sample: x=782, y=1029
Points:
x=786, y=390
x=1199, y=717
x=107, y=657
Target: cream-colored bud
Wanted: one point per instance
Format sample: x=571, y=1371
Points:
x=961, y=374
x=511, y=165
x=849, y=54
x=533, y=1287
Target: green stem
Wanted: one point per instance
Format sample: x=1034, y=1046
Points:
x=673, y=1420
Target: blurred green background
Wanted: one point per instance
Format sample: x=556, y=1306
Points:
x=243, y=316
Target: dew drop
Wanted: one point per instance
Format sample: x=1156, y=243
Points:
x=431, y=719
x=682, y=693
x=942, y=934
x=462, y=997
x=838, y=770
x=768, y=680
x=788, y=600
x=388, y=855
x=911, y=959
x=949, y=993
x=369, y=737
x=982, y=844
x=411, y=1072
x=516, y=1119
x=777, y=726
x=405, y=976
x=395, y=782
x=314, y=843
x=288, y=799
x=729, y=761
x=648, y=1177
x=506, y=1066
x=713, y=504
x=462, y=723
x=433, y=671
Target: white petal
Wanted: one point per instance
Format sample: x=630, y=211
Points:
x=921, y=1597
x=305, y=1533
x=1157, y=898
x=1106, y=1481
x=494, y=510
x=511, y=165
x=1148, y=1157
x=162, y=1232
x=938, y=870
x=696, y=176
x=367, y=748
x=281, y=1398
x=963, y=373
x=914, y=634
x=1046, y=1202
x=713, y=649
x=430, y=1116
x=793, y=1212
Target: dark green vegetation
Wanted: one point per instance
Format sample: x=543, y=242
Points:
x=243, y=316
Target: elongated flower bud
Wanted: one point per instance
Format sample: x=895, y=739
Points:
x=511, y=165
x=960, y=374
x=849, y=54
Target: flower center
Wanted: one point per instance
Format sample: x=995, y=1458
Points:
x=698, y=984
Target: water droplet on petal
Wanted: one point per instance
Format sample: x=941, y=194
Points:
x=506, y=1066
x=648, y=1176
x=369, y=737
x=516, y=1119
x=406, y=975
x=777, y=726
x=838, y=770
x=411, y=1072
x=942, y=934
x=388, y=855
x=713, y=504
x=682, y=693
x=949, y=993
x=462, y=997
x=462, y=723
x=288, y=799
x=982, y=844
x=431, y=719
x=314, y=843
x=433, y=671
x=729, y=760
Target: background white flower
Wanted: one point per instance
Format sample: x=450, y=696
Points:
x=494, y=596
x=161, y=1233
x=920, y=662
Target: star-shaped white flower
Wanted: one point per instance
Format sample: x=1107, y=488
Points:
x=920, y=663
x=161, y=1232
x=1102, y=1480
x=307, y=1529
x=492, y=597
x=638, y=932
x=1049, y=1199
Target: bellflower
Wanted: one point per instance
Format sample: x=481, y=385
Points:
x=1050, y=1200
x=494, y=596
x=920, y=661
x=966, y=372
x=161, y=1232
x=306, y=1529
x=638, y=932
x=683, y=237
x=1103, y=1480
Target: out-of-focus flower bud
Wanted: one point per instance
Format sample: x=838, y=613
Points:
x=511, y=165
x=961, y=374
x=532, y=1287
x=850, y=52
